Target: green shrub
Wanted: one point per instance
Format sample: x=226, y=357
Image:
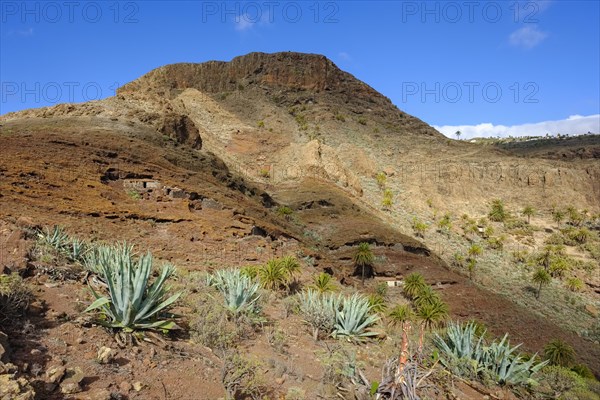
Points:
x=285, y=212
x=15, y=297
x=497, y=211
x=400, y=314
x=242, y=377
x=413, y=284
x=557, y=352
x=211, y=326
x=278, y=273
x=323, y=283
x=377, y=302
x=131, y=302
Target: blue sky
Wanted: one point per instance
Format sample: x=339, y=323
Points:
x=484, y=67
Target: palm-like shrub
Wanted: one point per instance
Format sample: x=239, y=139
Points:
x=290, y=266
x=475, y=250
x=363, y=258
x=497, y=211
x=272, y=275
x=433, y=313
x=466, y=354
x=278, y=273
x=413, y=284
x=541, y=277
x=133, y=303
x=529, y=212
x=400, y=314
x=239, y=291
x=323, y=283
x=377, y=302
x=354, y=318
x=557, y=352
x=558, y=216
x=425, y=296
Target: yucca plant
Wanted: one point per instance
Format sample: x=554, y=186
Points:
x=323, y=283
x=240, y=292
x=132, y=302
x=354, y=318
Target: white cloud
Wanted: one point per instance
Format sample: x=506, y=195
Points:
x=344, y=56
x=527, y=37
x=245, y=22
x=21, y=32
x=573, y=125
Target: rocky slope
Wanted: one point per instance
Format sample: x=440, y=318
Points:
x=192, y=162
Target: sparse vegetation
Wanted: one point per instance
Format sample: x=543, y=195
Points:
x=15, y=297
x=285, y=212
x=419, y=228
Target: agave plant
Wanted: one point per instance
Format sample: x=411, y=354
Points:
x=101, y=257
x=507, y=365
x=132, y=303
x=240, y=292
x=319, y=310
x=77, y=249
x=465, y=354
x=56, y=238
x=354, y=318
